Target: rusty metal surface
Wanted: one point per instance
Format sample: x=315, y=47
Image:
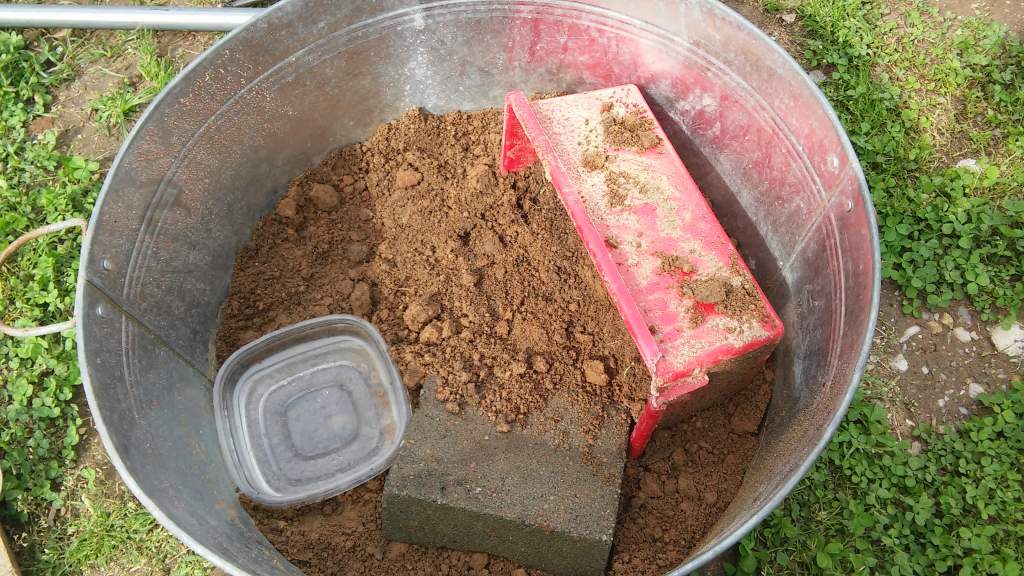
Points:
x=272, y=98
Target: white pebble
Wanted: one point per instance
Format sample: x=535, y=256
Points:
x=963, y=411
x=965, y=315
x=970, y=164
x=789, y=18
x=974, y=389
x=942, y=402
x=925, y=370
x=899, y=363
x=962, y=335
x=909, y=333
x=816, y=76
x=1009, y=342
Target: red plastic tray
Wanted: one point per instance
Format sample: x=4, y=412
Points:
x=686, y=296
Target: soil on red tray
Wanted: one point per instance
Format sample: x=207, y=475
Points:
x=625, y=128
x=479, y=281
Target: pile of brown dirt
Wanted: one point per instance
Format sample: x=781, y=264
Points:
x=478, y=281
x=342, y=536
x=685, y=480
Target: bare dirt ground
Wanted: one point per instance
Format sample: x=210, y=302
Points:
x=780, y=27
x=929, y=369
x=71, y=114
x=1009, y=12
x=932, y=368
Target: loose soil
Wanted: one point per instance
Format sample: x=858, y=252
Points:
x=1008, y=12
x=478, y=281
x=733, y=294
x=786, y=33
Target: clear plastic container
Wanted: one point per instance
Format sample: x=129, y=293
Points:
x=310, y=410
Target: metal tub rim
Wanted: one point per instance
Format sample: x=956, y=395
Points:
x=690, y=564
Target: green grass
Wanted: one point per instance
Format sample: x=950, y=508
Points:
x=109, y=535
x=39, y=422
x=116, y=109
x=871, y=507
x=916, y=95
x=61, y=521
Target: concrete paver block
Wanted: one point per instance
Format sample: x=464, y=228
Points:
x=542, y=497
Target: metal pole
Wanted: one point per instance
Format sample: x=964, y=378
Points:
x=124, y=17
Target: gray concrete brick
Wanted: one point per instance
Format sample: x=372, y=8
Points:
x=541, y=496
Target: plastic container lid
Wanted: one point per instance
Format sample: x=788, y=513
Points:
x=310, y=411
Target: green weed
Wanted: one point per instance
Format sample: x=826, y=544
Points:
x=916, y=96
x=871, y=507
x=116, y=109
x=39, y=422
x=156, y=71
x=110, y=535
x=63, y=525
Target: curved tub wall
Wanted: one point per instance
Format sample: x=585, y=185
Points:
x=270, y=100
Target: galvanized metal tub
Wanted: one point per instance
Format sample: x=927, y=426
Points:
x=217, y=148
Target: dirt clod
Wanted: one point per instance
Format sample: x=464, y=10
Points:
x=396, y=550
x=418, y=314
x=324, y=196
x=675, y=264
x=359, y=300
x=479, y=561
x=732, y=294
x=651, y=487
x=539, y=364
x=357, y=253
x=593, y=372
x=432, y=333
x=710, y=290
x=407, y=178
x=287, y=208
x=594, y=159
x=482, y=177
